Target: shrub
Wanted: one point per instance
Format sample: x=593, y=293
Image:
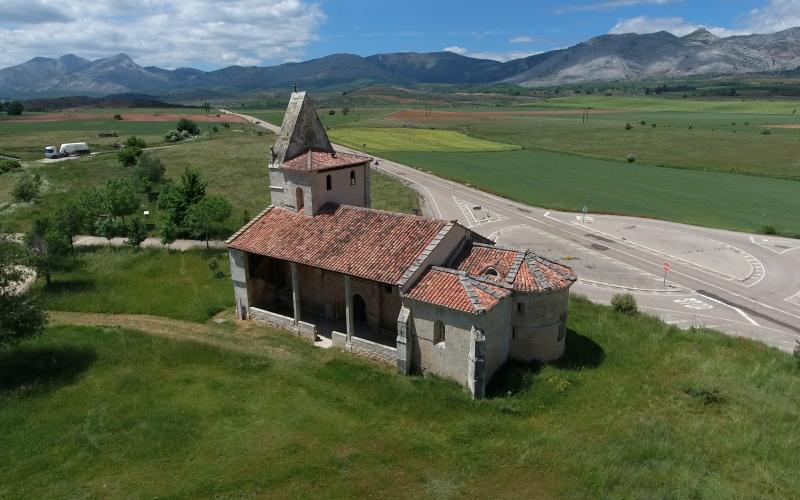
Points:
x=27, y=188
x=631, y=158
x=137, y=233
x=226, y=125
x=643, y=122
x=186, y=125
x=136, y=142
x=215, y=129
x=796, y=352
x=128, y=155
x=15, y=108
x=332, y=112
x=118, y=116
x=173, y=136
x=705, y=395
x=624, y=303
x=766, y=131
x=628, y=126
x=767, y=229
x=9, y=165
x=653, y=125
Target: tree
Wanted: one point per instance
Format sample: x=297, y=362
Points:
x=148, y=170
x=169, y=233
x=49, y=248
x=207, y=106
x=15, y=108
x=27, y=188
x=193, y=186
x=128, y=155
x=71, y=218
x=206, y=218
x=107, y=228
x=21, y=314
x=92, y=207
x=188, y=125
x=120, y=198
x=135, y=142
x=137, y=233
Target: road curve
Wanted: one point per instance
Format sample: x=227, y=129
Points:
x=743, y=284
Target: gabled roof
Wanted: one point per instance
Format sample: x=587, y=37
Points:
x=363, y=242
x=300, y=131
x=323, y=160
x=456, y=290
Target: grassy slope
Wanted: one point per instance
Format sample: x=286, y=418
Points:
x=408, y=139
x=566, y=182
x=176, y=285
x=110, y=413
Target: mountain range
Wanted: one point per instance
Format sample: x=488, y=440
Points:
x=625, y=57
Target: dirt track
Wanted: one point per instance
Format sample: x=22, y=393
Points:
x=128, y=117
x=415, y=114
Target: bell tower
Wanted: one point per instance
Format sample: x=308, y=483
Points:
x=305, y=172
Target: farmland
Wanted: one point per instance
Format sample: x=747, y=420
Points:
x=409, y=139
x=224, y=157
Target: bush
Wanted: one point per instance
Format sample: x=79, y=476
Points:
x=173, y=136
x=215, y=129
x=9, y=165
x=767, y=229
x=118, y=117
x=14, y=108
x=128, y=155
x=631, y=158
x=136, y=142
x=332, y=112
x=137, y=233
x=624, y=303
x=766, y=131
x=186, y=125
x=628, y=126
x=151, y=166
x=226, y=125
x=27, y=188
x=643, y=122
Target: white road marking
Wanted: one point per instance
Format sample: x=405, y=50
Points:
x=739, y=311
x=765, y=240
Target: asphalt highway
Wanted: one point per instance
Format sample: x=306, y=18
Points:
x=743, y=284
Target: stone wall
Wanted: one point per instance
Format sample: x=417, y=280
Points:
x=366, y=349
x=239, y=276
x=539, y=326
x=305, y=330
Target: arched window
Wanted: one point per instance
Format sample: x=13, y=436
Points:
x=352, y=177
x=299, y=200
x=328, y=183
x=438, y=332
x=490, y=273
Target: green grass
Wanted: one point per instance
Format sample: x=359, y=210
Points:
x=724, y=105
x=176, y=285
x=567, y=182
x=637, y=409
x=360, y=114
x=409, y=139
x=389, y=193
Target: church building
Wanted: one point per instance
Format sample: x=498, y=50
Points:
x=426, y=295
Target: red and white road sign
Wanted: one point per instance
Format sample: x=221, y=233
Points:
x=666, y=267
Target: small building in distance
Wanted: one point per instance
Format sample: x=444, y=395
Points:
x=426, y=295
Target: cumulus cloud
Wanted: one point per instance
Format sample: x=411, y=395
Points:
x=495, y=56
x=162, y=32
x=522, y=39
x=776, y=15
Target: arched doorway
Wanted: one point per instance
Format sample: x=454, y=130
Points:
x=359, y=309
x=299, y=200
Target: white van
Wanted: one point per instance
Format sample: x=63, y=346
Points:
x=50, y=152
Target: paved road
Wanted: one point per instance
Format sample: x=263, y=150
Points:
x=743, y=284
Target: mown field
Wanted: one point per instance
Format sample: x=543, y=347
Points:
x=410, y=139
x=636, y=409
x=232, y=161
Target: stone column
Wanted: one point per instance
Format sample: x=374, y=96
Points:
x=295, y=292
x=477, y=364
x=239, y=276
x=348, y=307
x=404, y=333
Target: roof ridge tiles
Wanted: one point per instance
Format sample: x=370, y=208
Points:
x=541, y=279
x=466, y=283
x=424, y=254
x=512, y=272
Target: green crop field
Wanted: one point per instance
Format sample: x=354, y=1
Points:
x=357, y=115
x=727, y=105
x=409, y=139
x=637, y=409
x=560, y=181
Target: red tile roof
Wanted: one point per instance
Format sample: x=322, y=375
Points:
x=523, y=271
x=363, y=242
x=456, y=290
x=322, y=160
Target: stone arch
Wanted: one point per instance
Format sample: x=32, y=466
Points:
x=359, y=309
x=300, y=201
x=438, y=332
x=352, y=177
x=328, y=183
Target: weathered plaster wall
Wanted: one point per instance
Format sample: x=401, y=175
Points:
x=239, y=277
x=342, y=192
x=540, y=328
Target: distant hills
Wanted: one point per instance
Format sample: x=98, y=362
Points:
x=626, y=57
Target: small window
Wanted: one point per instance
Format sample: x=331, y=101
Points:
x=387, y=288
x=521, y=308
x=438, y=332
x=328, y=183
x=352, y=177
x=490, y=273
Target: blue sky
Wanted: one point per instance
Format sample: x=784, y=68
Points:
x=209, y=34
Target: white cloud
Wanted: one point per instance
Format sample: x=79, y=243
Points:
x=495, y=56
x=776, y=15
x=611, y=5
x=163, y=32
x=522, y=39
